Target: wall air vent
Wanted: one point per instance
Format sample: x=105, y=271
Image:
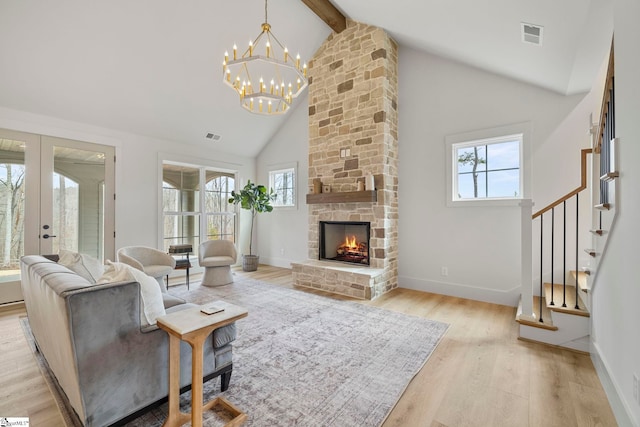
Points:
x=213, y=136
x=531, y=33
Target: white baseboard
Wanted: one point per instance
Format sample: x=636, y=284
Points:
x=509, y=297
x=623, y=415
x=276, y=262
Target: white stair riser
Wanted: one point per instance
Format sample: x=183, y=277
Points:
x=573, y=332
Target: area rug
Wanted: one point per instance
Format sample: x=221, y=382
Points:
x=302, y=359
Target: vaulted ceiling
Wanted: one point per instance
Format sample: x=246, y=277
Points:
x=154, y=67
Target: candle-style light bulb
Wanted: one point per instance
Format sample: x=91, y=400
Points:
x=250, y=48
x=261, y=85
x=286, y=54
x=226, y=56
x=298, y=61
x=271, y=90
x=269, y=106
x=304, y=69
x=299, y=83
x=260, y=105
x=237, y=82
x=235, y=51
x=268, y=48
x=228, y=75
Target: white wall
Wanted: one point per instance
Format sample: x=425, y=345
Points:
x=137, y=170
x=616, y=291
x=480, y=246
x=282, y=234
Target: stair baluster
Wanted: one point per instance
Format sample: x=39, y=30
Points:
x=564, y=255
x=541, y=253
x=553, y=224
x=577, y=307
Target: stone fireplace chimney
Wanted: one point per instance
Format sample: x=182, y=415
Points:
x=353, y=132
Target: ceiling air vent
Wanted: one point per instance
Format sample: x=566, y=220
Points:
x=531, y=33
x=213, y=136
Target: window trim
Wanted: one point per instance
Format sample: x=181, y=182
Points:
x=280, y=168
x=187, y=161
x=207, y=214
x=491, y=135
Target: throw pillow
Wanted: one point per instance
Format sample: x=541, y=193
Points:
x=150, y=293
x=83, y=265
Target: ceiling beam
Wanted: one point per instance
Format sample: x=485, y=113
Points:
x=328, y=13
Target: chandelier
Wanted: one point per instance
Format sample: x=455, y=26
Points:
x=265, y=77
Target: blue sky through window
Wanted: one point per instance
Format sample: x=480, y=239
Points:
x=497, y=169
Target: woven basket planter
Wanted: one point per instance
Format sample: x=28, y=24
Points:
x=250, y=262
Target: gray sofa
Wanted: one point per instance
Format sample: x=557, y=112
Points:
x=110, y=369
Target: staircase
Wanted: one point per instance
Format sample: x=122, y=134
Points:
x=554, y=308
x=558, y=322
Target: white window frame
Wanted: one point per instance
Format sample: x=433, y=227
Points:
x=281, y=168
x=486, y=137
x=202, y=165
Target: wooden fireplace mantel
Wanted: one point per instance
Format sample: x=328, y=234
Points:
x=343, y=197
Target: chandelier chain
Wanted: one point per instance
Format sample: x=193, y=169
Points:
x=265, y=12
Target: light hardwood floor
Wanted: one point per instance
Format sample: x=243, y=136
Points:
x=480, y=374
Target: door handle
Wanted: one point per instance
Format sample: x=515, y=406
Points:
x=46, y=236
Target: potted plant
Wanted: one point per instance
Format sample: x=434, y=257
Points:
x=256, y=199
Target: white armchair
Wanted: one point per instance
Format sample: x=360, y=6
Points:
x=217, y=256
x=153, y=262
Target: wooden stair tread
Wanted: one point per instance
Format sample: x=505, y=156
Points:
x=581, y=279
x=591, y=252
x=546, y=316
x=570, y=300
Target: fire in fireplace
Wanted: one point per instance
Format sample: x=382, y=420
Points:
x=346, y=241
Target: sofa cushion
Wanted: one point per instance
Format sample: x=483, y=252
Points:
x=225, y=335
x=170, y=300
x=83, y=265
x=151, y=295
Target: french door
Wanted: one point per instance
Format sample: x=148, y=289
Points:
x=54, y=194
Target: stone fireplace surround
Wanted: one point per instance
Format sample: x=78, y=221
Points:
x=353, y=109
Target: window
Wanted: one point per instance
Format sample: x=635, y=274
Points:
x=221, y=216
x=486, y=167
x=180, y=205
x=283, y=182
x=190, y=215
x=66, y=213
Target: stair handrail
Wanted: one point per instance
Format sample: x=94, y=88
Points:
x=583, y=185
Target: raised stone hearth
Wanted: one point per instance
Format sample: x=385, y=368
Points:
x=339, y=278
x=353, y=95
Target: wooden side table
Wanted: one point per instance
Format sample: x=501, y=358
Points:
x=193, y=327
